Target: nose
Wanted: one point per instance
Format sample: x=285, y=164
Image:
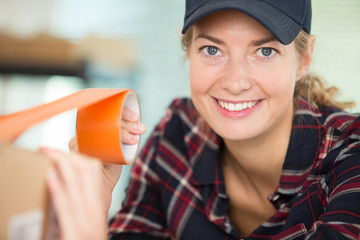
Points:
x=235, y=79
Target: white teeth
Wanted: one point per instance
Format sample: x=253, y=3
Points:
x=221, y=104
x=231, y=107
x=238, y=106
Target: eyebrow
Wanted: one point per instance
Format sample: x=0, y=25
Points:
x=260, y=42
x=210, y=38
x=255, y=43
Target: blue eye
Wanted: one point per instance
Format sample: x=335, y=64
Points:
x=266, y=52
x=212, y=51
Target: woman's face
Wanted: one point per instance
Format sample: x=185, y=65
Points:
x=242, y=79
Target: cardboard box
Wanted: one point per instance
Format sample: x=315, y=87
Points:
x=25, y=211
x=42, y=50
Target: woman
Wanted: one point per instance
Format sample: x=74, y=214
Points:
x=260, y=151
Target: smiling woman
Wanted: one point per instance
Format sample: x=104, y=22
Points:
x=256, y=152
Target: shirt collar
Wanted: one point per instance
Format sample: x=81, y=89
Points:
x=206, y=168
x=304, y=147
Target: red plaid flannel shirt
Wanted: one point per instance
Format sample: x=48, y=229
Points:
x=177, y=189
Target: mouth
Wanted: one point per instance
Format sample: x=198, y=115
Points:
x=235, y=107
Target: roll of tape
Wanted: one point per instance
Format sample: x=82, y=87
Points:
x=98, y=125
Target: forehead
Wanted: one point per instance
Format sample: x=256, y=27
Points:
x=231, y=21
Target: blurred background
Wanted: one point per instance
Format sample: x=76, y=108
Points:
x=51, y=48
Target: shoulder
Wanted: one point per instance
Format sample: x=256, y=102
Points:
x=335, y=124
x=184, y=109
x=342, y=128
x=182, y=104
x=338, y=131
x=181, y=118
x=341, y=137
x=181, y=133
x=338, y=119
x=326, y=117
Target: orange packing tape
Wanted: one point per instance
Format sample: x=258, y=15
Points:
x=97, y=126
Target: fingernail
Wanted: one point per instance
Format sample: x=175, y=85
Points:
x=49, y=152
x=44, y=150
x=139, y=127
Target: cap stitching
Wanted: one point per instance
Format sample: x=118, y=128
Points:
x=283, y=12
x=189, y=14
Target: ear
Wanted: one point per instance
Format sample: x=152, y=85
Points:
x=305, y=59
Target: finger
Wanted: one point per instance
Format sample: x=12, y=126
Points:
x=68, y=170
x=134, y=128
x=59, y=199
x=128, y=138
x=73, y=145
x=129, y=115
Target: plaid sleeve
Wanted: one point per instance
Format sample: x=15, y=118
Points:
x=341, y=218
x=142, y=215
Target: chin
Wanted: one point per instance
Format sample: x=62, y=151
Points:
x=235, y=134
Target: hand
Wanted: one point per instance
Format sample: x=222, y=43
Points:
x=80, y=188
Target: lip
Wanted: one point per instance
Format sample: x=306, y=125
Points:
x=234, y=102
x=236, y=114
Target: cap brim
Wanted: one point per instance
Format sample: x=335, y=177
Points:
x=280, y=25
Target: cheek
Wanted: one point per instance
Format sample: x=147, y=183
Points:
x=278, y=81
x=201, y=78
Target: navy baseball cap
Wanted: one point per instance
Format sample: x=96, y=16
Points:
x=283, y=18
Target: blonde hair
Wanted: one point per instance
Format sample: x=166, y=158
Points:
x=311, y=87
